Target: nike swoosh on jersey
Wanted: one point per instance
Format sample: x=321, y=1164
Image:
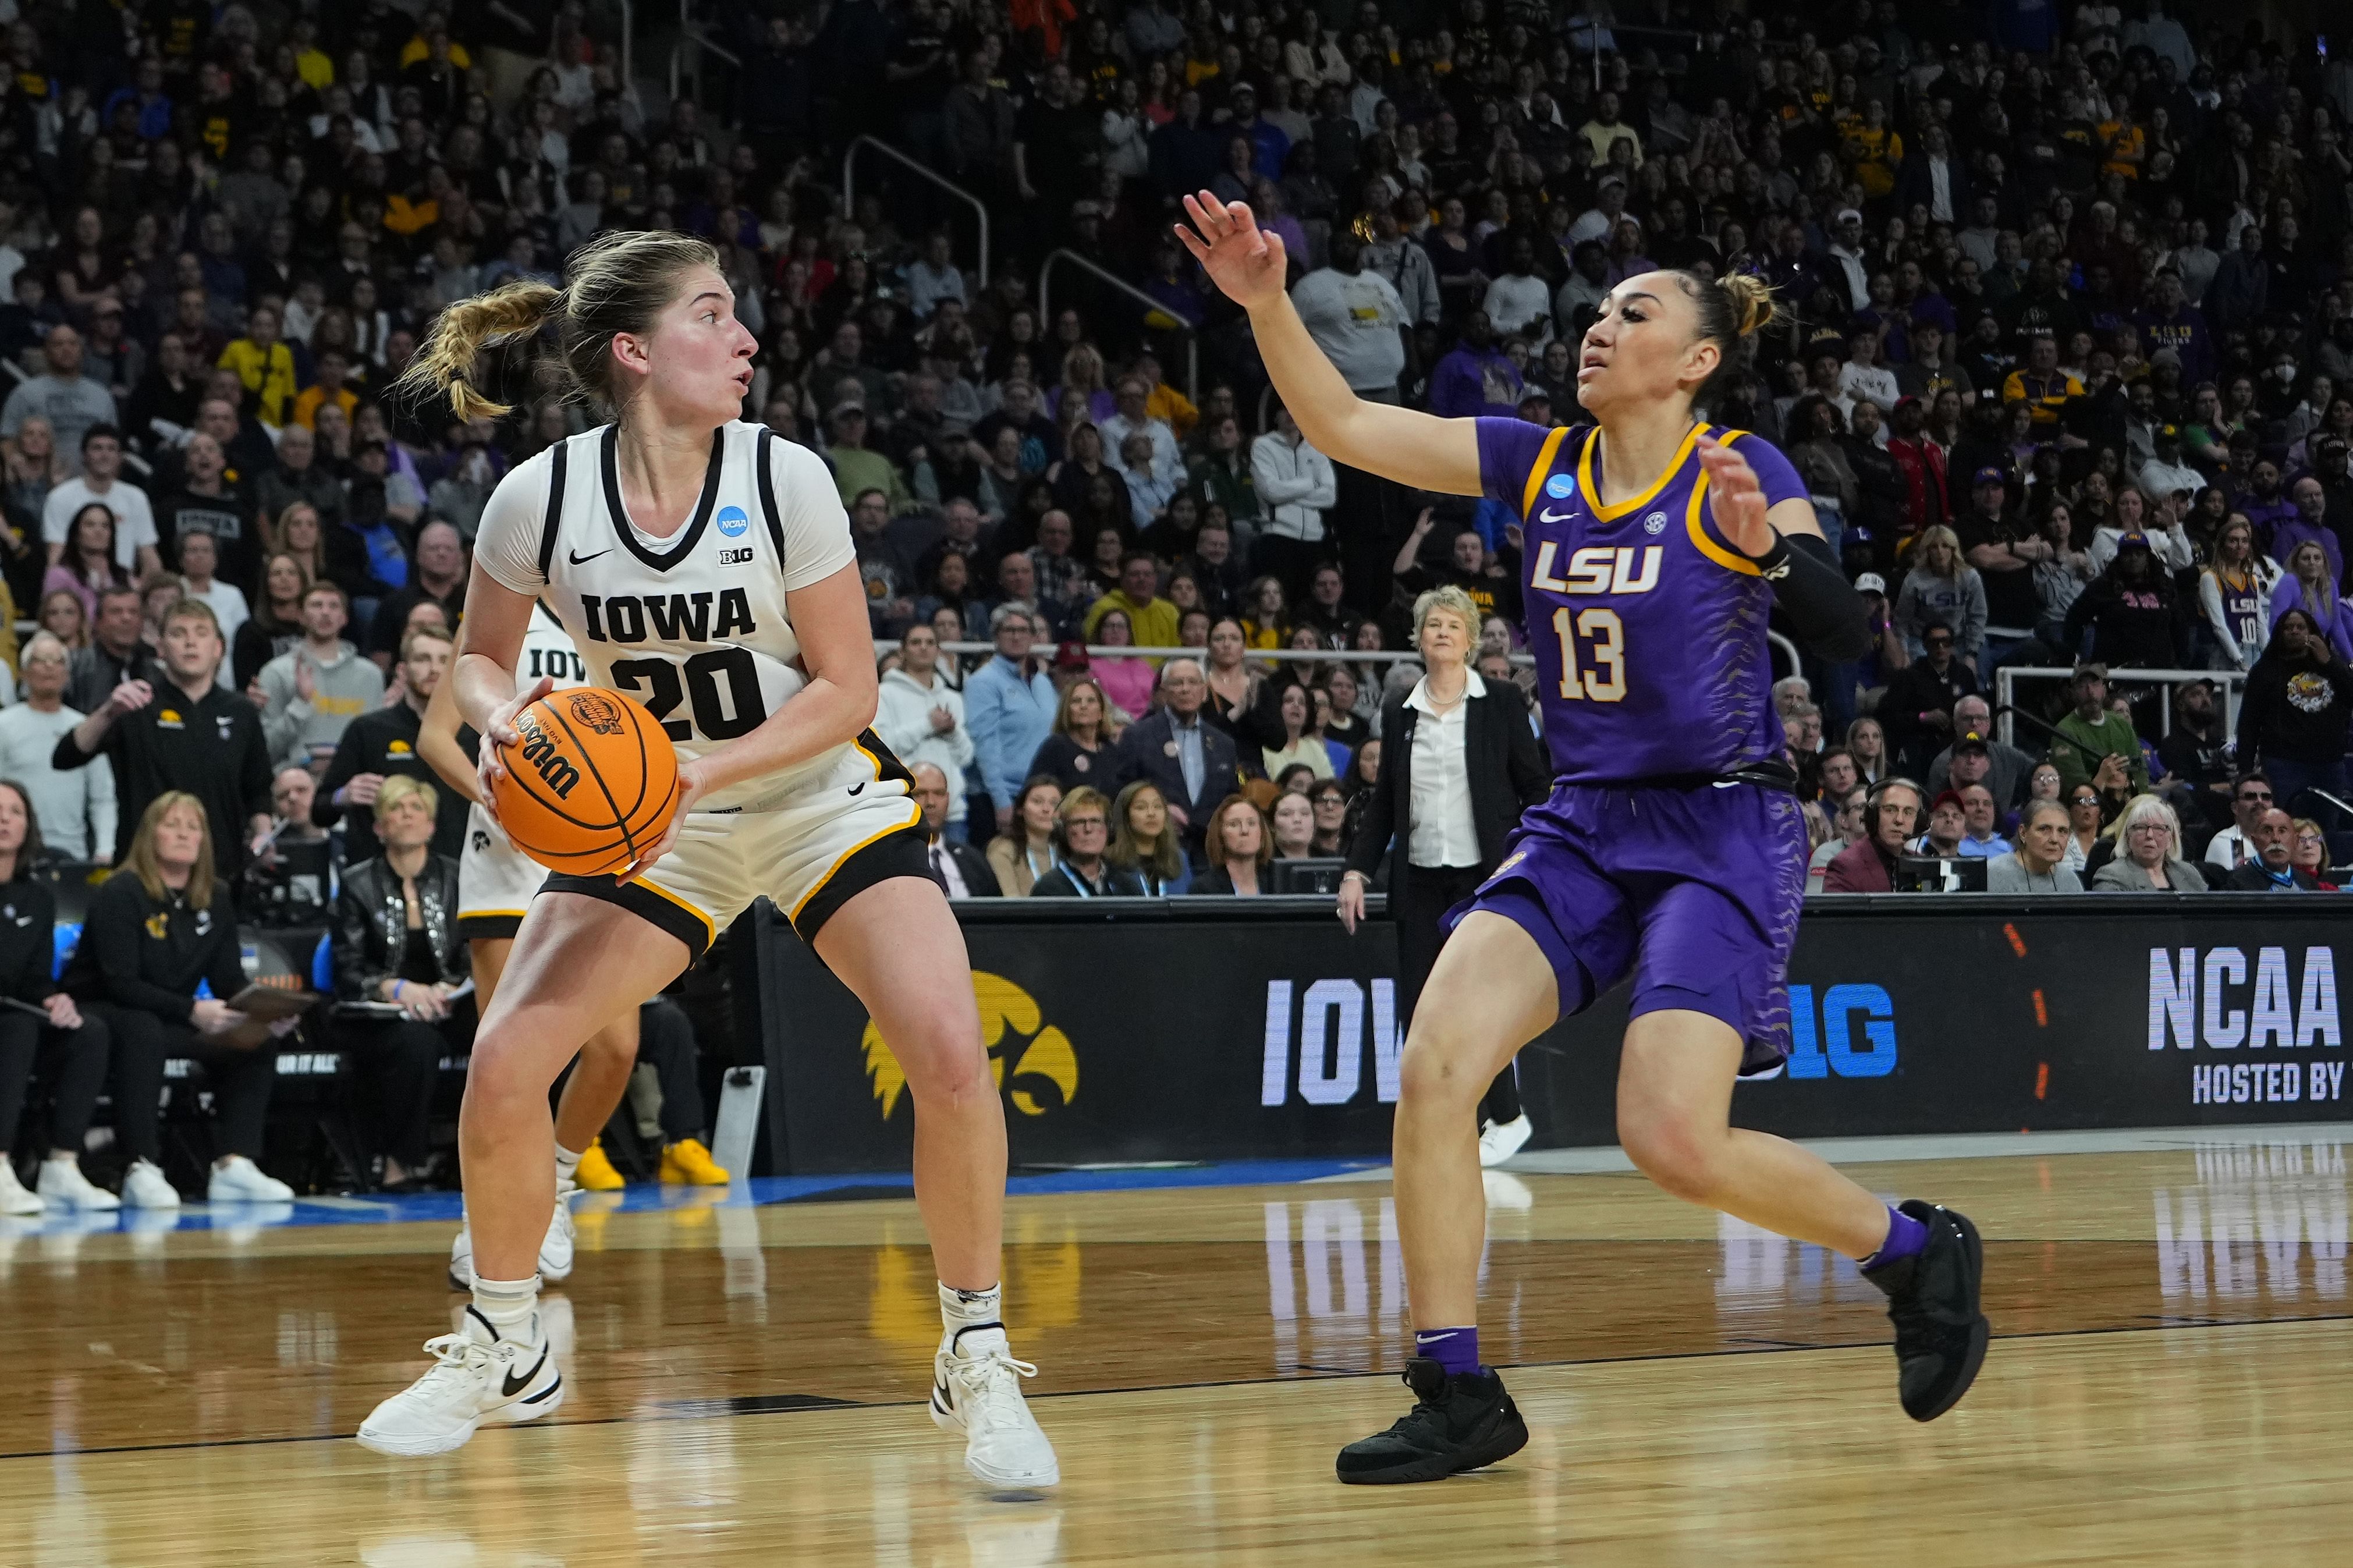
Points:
x=856, y=789
x=1547, y=516
x=513, y=1385
x=580, y=560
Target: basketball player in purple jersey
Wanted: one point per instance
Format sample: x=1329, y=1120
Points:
x=1671, y=848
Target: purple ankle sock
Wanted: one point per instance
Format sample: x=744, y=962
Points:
x=1905, y=1236
x=1456, y=1349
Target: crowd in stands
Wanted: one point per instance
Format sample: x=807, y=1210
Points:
x=2064, y=351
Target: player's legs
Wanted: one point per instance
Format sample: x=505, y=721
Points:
x=1674, y=1121
x=600, y=1078
x=1491, y=992
x=897, y=946
x=577, y=965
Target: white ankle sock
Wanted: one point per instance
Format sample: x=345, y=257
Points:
x=970, y=1308
x=506, y=1303
x=566, y=1163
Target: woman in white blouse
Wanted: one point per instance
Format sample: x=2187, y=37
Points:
x=1460, y=763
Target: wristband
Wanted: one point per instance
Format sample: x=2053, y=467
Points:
x=1773, y=563
x=1359, y=875
x=395, y=989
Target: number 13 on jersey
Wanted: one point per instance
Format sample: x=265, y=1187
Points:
x=1604, y=672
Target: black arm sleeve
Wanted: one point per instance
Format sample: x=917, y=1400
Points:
x=1828, y=613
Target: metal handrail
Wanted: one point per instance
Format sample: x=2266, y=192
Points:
x=1192, y=333
x=2232, y=681
x=850, y=188
x=690, y=32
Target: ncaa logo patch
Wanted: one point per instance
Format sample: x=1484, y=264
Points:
x=1560, y=486
x=732, y=522
x=1656, y=523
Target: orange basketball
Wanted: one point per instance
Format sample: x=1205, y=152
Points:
x=591, y=785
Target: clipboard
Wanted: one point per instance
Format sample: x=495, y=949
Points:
x=263, y=1005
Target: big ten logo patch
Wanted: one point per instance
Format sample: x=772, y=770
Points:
x=1034, y=1065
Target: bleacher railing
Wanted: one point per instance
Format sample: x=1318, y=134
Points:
x=1192, y=333
x=914, y=166
x=2232, y=681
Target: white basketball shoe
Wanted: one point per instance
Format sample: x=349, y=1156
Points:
x=976, y=1390
x=477, y=1376
x=554, y=1248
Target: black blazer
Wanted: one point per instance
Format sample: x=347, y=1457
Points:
x=1508, y=770
x=980, y=881
x=371, y=930
x=1147, y=750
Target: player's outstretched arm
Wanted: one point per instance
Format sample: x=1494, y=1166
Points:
x=1401, y=444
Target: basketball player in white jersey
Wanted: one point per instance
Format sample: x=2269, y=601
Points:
x=706, y=567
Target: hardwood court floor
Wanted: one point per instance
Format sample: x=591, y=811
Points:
x=2173, y=1383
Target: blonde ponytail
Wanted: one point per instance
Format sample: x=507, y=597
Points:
x=446, y=362
x=1752, y=301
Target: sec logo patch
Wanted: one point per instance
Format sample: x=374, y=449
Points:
x=1656, y=523
x=1560, y=486
x=732, y=522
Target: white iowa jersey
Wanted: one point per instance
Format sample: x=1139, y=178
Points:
x=548, y=649
x=693, y=626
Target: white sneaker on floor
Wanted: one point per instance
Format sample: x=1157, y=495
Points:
x=477, y=1377
x=976, y=1390
x=144, y=1186
x=1503, y=1139
x=555, y=1247
x=14, y=1199
x=240, y=1180
x=62, y=1183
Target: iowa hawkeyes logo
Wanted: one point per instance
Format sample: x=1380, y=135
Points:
x=599, y=714
x=1044, y=1071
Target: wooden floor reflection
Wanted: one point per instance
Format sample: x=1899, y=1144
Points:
x=2170, y=1385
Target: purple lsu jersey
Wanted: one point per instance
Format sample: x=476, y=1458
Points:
x=1648, y=629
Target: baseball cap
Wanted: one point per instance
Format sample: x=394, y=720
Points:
x=1070, y=656
x=2168, y=432
x=1870, y=582
x=1951, y=797
x=1989, y=475
x=1972, y=741
x=1848, y=214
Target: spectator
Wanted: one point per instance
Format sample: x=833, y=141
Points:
x=1944, y=587
x=2292, y=718
x=2129, y=608
x=2234, y=592
x=2169, y=540
x=281, y=887
x=1165, y=463
x=396, y=943
x=381, y=744
x=207, y=501
x=2308, y=586
x=2039, y=864
x=1127, y=681
x=2272, y=867
x=1188, y=760
x=310, y=695
x=1151, y=619
x=962, y=870
x=1866, y=742
x=2096, y=746
x=179, y=732
x=31, y=467
x=264, y=366
x=1476, y=378
x=1237, y=845
x=1949, y=826
x=66, y=1052
x=1890, y=812
x=440, y=579
x=100, y=481
x=1982, y=840
x=1081, y=838
x=2251, y=796
x=921, y=718
x=2312, y=854
x=156, y=931
x=1329, y=800
x=1918, y=708
x=1079, y=751
x=74, y=809
x=1302, y=743
x=1295, y=826
x=1008, y=706
x=2148, y=858
x=1846, y=831
x=70, y=401
x=1146, y=843
x=2084, y=813
x=114, y=653
x=1357, y=319
x=276, y=627
x=1294, y=483
x=199, y=559
x=1023, y=849
x=2006, y=766
x=91, y=567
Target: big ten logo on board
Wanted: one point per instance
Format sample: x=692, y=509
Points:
x=1319, y=1043
x=2259, y=1219
x=1034, y=1065
x=1852, y=1034
x=1336, y=1285
x=2282, y=999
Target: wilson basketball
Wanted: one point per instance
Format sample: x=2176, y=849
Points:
x=592, y=783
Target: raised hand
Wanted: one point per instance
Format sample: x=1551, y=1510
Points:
x=1241, y=258
x=1737, y=499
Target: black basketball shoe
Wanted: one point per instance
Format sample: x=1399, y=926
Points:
x=1458, y=1423
x=1932, y=1299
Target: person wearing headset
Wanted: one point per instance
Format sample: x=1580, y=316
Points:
x=1889, y=819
